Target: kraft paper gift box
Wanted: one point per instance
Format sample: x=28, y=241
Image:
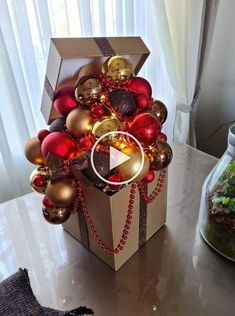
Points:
x=67, y=58
x=109, y=216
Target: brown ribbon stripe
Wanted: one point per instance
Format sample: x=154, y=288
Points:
x=104, y=46
x=83, y=228
x=143, y=218
x=49, y=89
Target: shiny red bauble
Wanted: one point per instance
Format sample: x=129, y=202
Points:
x=65, y=101
x=114, y=178
x=46, y=202
x=162, y=137
x=59, y=144
x=140, y=86
x=150, y=176
x=145, y=127
x=42, y=134
x=39, y=180
x=142, y=101
x=86, y=142
x=97, y=111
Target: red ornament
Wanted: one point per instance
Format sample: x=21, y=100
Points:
x=145, y=127
x=42, y=134
x=162, y=137
x=39, y=180
x=59, y=144
x=46, y=202
x=149, y=177
x=87, y=142
x=97, y=111
x=114, y=178
x=65, y=101
x=140, y=86
x=143, y=102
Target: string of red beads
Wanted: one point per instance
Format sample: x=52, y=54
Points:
x=156, y=191
x=89, y=221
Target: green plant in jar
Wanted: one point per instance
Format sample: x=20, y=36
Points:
x=217, y=212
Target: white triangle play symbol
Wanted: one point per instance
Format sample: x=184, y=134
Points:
x=116, y=158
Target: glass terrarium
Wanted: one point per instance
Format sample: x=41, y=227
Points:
x=217, y=210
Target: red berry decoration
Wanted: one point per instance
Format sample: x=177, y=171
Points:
x=114, y=178
x=87, y=142
x=65, y=101
x=39, y=180
x=162, y=137
x=145, y=127
x=149, y=177
x=97, y=111
x=140, y=86
x=42, y=134
x=46, y=202
x=59, y=144
x=143, y=102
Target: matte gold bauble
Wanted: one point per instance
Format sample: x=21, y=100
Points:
x=33, y=151
x=160, y=156
x=56, y=215
x=118, y=68
x=61, y=192
x=88, y=87
x=130, y=168
x=38, y=179
x=109, y=124
x=160, y=110
x=78, y=122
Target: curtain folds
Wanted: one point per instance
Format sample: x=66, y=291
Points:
x=185, y=30
x=25, y=30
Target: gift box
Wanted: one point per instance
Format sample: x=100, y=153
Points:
x=92, y=83
x=109, y=215
x=68, y=55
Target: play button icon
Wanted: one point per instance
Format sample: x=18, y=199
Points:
x=116, y=157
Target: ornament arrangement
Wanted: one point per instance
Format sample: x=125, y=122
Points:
x=100, y=102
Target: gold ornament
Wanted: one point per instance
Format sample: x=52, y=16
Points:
x=61, y=192
x=78, y=122
x=130, y=168
x=33, y=151
x=39, y=186
x=109, y=124
x=118, y=68
x=160, y=156
x=56, y=215
x=88, y=87
x=160, y=111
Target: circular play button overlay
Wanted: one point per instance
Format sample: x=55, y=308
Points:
x=117, y=157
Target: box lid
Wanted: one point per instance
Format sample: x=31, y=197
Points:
x=68, y=55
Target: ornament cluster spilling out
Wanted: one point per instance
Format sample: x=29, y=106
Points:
x=100, y=102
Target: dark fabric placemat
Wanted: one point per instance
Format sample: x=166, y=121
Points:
x=18, y=299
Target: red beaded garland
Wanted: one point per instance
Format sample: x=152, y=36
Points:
x=156, y=191
x=92, y=228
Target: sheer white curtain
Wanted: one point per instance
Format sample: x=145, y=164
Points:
x=25, y=30
x=185, y=30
